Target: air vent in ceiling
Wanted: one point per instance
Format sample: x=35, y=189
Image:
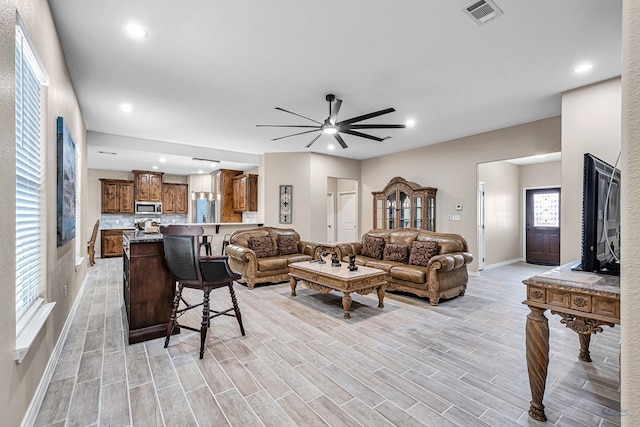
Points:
x=108, y=152
x=482, y=11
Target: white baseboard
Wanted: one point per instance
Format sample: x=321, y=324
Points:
x=503, y=263
x=38, y=397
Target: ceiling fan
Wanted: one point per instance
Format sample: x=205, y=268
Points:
x=331, y=125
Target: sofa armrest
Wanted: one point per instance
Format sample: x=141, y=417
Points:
x=307, y=248
x=240, y=253
x=449, y=261
x=347, y=248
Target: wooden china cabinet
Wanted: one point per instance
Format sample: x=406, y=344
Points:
x=403, y=204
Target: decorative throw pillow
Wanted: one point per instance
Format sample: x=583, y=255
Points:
x=421, y=252
x=287, y=245
x=372, y=247
x=398, y=253
x=262, y=246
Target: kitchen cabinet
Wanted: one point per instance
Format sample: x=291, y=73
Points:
x=117, y=196
x=111, y=243
x=175, y=198
x=222, y=188
x=403, y=204
x=148, y=287
x=245, y=193
x=148, y=186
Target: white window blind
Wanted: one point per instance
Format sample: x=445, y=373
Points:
x=29, y=228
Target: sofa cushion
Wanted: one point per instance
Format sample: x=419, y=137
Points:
x=372, y=247
x=287, y=244
x=421, y=252
x=398, y=253
x=262, y=246
x=409, y=273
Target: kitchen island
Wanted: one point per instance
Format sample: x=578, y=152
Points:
x=148, y=286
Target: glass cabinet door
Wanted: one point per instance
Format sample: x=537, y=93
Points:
x=405, y=210
x=417, y=212
x=431, y=211
x=391, y=210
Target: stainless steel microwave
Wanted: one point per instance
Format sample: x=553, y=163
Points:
x=146, y=208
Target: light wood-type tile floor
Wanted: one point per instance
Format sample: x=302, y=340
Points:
x=409, y=364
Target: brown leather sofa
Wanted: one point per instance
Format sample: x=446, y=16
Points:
x=435, y=267
x=263, y=254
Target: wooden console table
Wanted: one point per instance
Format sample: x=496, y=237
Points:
x=585, y=301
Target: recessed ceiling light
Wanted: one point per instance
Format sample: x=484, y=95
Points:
x=410, y=123
x=126, y=108
x=154, y=167
x=135, y=31
x=162, y=160
x=200, y=171
x=331, y=146
x=582, y=68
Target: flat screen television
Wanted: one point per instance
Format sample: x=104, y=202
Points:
x=600, y=217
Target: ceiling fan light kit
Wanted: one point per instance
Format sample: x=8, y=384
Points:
x=331, y=125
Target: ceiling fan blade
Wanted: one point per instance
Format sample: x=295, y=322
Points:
x=296, y=114
x=312, y=141
x=364, y=135
x=340, y=140
x=334, y=112
x=366, y=116
x=295, y=134
x=372, y=126
x=287, y=126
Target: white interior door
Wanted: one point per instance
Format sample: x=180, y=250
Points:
x=331, y=218
x=347, y=217
x=480, y=226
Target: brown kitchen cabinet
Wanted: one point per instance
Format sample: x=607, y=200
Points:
x=111, y=243
x=148, y=186
x=222, y=189
x=117, y=196
x=175, y=198
x=245, y=193
x=148, y=287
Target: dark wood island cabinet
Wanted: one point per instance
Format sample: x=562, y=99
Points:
x=148, y=286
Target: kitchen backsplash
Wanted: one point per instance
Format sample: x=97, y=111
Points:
x=127, y=220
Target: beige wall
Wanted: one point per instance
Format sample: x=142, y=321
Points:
x=541, y=175
x=21, y=381
x=308, y=173
x=502, y=211
x=591, y=123
x=451, y=168
x=630, y=271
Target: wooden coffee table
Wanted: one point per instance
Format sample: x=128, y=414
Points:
x=326, y=278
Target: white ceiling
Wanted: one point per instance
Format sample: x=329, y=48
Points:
x=209, y=71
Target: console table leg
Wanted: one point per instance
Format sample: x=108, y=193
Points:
x=537, y=343
x=346, y=304
x=293, y=282
x=381, y=293
x=585, y=339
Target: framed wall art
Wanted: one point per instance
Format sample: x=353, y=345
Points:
x=66, y=184
x=286, y=204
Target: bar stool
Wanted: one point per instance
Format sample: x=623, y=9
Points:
x=225, y=242
x=206, y=242
x=190, y=270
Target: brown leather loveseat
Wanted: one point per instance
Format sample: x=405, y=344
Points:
x=263, y=254
x=425, y=263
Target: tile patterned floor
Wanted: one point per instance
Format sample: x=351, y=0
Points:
x=459, y=364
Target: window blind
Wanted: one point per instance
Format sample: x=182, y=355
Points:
x=28, y=176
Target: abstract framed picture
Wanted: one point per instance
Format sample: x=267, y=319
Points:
x=66, y=183
x=286, y=204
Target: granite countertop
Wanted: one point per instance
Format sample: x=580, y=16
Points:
x=142, y=237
